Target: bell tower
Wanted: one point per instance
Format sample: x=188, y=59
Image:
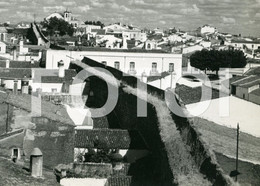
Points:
x=67, y=15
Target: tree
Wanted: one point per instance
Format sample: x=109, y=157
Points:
x=98, y=23
x=55, y=25
x=215, y=59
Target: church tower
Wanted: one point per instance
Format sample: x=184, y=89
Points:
x=67, y=16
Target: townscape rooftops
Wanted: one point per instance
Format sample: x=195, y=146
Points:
x=20, y=64
x=48, y=109
x=116, y=50
x=245, y=41
x=14, y=174
x=99, y=31
x=3, y=29
x=68, y=77
x=109, y=139
x=155, y=37
x=247, y=81
x=253, y=71
x=15, y=73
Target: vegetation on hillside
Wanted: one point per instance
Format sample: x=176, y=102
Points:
x=57, y=26
x=97, y=23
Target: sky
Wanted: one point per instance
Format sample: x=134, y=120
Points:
x=233, y=16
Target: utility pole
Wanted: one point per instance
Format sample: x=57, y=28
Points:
x=237, y=149
x=235, y=173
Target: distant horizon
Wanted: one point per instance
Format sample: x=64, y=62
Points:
x=228, y=16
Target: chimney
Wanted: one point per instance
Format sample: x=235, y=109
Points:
x=61, y=69
x=14, y=54
x=25, y=86
x=15, y=90
x=32, y=61
x=33, y=74
x=36, y=162
x=21, y=43
x=7, y=63
x=144, y=77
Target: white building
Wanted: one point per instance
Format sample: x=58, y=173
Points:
x=2, y=47
x=206, y=29
x=175, y=38
x=110, y=41
x=3, y=34
x=190, y=49
x=135, y=34
x=115, y=28
x=241, y=44
x=134, y=63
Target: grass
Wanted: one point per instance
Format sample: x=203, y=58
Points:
x=249, y=172
x=222, y=139
x=183, y=167
x=3, y=114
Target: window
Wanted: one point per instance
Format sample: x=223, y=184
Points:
x=104, y=62
x=154, y=67
x=117, y=65
x=171, y=67
x=132, y=66
x=148, y=45
x=252, y=46
x=15, y=152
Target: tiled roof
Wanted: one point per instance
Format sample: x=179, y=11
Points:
x=13, y=73
x=251, y=84
x=246, y=80
x=253, y=71
x=117, y=50
x=245, y=41
x=155, y=37
x=109, y=139
x=99, y=31
x=20, y=64
x=15, y=174
x=24, y=101
x=69, y=75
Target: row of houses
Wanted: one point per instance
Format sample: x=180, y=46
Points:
x=247, y=87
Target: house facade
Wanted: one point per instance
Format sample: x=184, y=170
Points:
x=133, y=63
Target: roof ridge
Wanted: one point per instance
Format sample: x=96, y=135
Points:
x=243, y=79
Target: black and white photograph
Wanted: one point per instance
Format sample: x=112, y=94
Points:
x=130, y=93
